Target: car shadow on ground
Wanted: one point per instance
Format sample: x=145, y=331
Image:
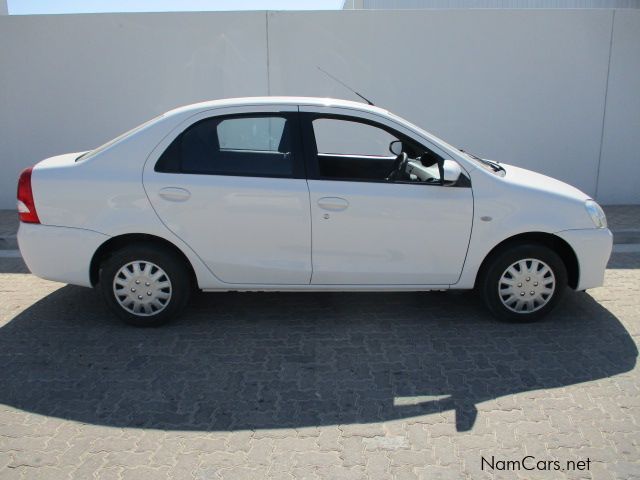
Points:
x=275, y=360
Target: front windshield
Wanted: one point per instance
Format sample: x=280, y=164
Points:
x=126, y=134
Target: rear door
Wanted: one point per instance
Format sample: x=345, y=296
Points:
x=231, y=185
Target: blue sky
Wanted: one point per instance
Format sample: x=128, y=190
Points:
x=27, y=7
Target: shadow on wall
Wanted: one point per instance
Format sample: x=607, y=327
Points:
x=253, y=361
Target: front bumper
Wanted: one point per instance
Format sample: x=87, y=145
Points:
x=61, y=254
x=593, y=249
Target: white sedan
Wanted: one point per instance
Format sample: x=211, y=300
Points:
x=304, y=194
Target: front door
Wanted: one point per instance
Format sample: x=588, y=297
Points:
x=232, y=187
x=370, y=230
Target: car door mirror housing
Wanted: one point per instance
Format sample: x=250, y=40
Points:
x=451, y=172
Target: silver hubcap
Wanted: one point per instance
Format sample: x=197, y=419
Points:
x=526, y=286
x=142, y=288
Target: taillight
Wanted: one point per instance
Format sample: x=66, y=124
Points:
x=26, y=205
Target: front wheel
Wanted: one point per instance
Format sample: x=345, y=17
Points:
x=523, y=283
x=145, y=286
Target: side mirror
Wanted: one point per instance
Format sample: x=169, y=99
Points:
x=395, y=147
x=451, y=171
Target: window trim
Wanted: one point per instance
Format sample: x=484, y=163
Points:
x=297, y=153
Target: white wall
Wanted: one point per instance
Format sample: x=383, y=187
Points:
x=619, y=175
x=515, y=86
x=71, y=82
x=526, y=87
x=421, y=4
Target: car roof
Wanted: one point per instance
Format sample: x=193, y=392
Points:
x=261, y=101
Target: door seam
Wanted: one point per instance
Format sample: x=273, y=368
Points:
x=310, y=231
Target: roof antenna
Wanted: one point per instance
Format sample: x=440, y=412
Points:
x=345, y=85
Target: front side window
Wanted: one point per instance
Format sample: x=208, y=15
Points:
x=344, y=137
x=241, y=145
x=351, y=149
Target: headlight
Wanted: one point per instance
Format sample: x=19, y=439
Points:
x=596, y=213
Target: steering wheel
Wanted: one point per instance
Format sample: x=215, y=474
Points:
x=399, y=166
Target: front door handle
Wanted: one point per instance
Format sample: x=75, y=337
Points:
x=333, y=204
x=175, y=194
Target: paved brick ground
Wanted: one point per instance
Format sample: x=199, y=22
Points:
x=308, y=386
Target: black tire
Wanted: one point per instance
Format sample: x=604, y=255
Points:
x=175, y=271
x=490, y=283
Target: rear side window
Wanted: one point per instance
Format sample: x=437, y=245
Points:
x=259, y=134
x=259, y=146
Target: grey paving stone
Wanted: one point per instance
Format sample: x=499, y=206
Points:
x=316, y=386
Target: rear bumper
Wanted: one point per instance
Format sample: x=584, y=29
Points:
x=593, y=249
x=61, y=254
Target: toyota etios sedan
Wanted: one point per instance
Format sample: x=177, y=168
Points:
x=284, y=194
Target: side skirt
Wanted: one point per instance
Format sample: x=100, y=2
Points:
x=331, y=288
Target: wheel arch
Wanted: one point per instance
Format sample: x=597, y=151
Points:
x=554, y=242
x=115, y=243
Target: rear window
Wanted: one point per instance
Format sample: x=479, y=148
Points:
x=242, y=146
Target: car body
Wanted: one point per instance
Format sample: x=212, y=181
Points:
x=294, y=193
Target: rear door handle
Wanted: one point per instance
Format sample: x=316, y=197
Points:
x=333, y=204
x=174, y=194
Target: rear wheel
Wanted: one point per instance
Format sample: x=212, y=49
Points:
x=145, y=286
x=523, y=283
